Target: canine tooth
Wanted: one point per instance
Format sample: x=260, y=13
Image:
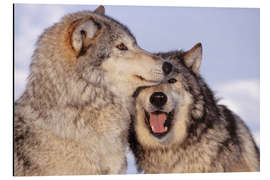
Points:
x=166, y=128
x=152, y=127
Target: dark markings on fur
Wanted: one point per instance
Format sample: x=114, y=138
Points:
x=122, y=26
x=22, y=134
x=97, y=24
x=173, y=55
x=134, y=144
x=101, y=53
x=102, y=56
x=202, y=96
x=231, y=127
x=138, y=90
x=83, y=50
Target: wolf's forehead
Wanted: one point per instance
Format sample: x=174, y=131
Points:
x=158, y=88
x=121, y=32
x=116, y=27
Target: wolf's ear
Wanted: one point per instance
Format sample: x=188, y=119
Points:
x=83, y=33
x=193, y=58
x=100, y=10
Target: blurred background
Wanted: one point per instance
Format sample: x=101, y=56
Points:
x=230, y=39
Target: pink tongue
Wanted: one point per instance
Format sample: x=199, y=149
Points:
x=157, y=122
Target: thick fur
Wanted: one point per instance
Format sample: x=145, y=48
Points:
x=203, y=137
x=74, y=115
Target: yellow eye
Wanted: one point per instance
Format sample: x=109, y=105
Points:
x=122, y=47
x=172, y=81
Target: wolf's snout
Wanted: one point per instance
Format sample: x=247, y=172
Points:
x=167, y=68
x=158, y=99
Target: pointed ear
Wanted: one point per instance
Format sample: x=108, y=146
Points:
x=100, y=10
x=83, y=33
x=193, y=58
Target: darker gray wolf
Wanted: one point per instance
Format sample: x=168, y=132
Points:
x=179, y=127
x=74, y=115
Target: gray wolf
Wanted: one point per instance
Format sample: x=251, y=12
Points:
x=178, y=126
x=74, y=115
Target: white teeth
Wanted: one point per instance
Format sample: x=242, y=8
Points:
x=152, y=127
x=166, y=128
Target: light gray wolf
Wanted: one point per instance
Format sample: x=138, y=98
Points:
x=178, y=126
x=74, y=115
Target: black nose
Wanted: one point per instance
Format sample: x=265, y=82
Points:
x=158, y=99
x=167, y=68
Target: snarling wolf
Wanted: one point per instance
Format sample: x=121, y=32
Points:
x=179, y=127
x=74, y=115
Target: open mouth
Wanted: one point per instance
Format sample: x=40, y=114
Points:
x=159, y=122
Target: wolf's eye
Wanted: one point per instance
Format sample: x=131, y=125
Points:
x=122, y=47
x=172, y=81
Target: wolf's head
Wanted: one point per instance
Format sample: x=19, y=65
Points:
x=164, y=111
x=91, y=49
x=104, y=45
